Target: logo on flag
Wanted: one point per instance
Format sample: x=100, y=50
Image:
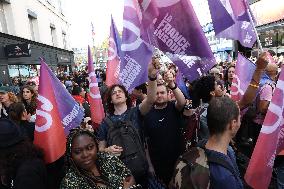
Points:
x=270, y=141
x=136, y=54
x=171, y=34
x=57, y=113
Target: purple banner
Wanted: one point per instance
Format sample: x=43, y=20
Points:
x=177, y=32
x=136, y=54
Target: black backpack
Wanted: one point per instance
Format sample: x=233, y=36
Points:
x=124, y=134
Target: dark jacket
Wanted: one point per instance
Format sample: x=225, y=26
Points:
x=28, y=129
x=31, y=174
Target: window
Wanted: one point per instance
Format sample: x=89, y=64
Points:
x=33, y=25
x=3, y=22
x=53, y=34
x=64, y=40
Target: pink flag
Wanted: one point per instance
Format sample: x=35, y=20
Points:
x=269, y=142
x=97, y=110
x=49, y=132
x=114, y=51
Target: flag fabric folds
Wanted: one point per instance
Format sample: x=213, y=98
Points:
x=176, y=31
x=136, y=54
x=238, y=11
x=57, y=113
x=97, y=110
x=221, y=19
x=269, y=142
x=243, y=75
x=114, y=53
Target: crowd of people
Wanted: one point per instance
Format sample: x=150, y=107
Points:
x=159, y=136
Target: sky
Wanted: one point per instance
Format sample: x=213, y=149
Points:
x=81, y=13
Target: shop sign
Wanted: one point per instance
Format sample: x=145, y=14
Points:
x=61, y=58
x=18, y=50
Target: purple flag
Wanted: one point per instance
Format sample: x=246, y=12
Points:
x=220, y=17
x=242, y=30
x=136, y=54
x=177, y=32
x=149, y=12
x=243, y=74
x=71, y=113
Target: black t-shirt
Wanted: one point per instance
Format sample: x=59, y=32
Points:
x=162, y=128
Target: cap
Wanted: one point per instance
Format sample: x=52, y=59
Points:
x=10, y=133
x=4, y=89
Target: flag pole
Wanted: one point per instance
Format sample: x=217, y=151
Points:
x=253, y=26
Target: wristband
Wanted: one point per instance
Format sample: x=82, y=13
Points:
x=152, y=78
x=173, y=88
x=254, y=86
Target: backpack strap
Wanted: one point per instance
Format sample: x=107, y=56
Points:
x=129, y=114
x=108, y=121
x=222, y=162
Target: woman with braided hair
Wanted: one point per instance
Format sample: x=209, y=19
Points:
x=89, y=169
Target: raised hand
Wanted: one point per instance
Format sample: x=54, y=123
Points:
x=262, y=61
x=169, y=78
x=153, y=68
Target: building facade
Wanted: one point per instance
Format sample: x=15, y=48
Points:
x=30, y=29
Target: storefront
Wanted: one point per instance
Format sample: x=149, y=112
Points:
x=20, y=57
x=270, y=25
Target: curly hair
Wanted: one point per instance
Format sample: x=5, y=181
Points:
x=12, y=97
x=12, y=157
x=30, y=107
x=204, y=86
x=110, y=106
x=70, y=164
